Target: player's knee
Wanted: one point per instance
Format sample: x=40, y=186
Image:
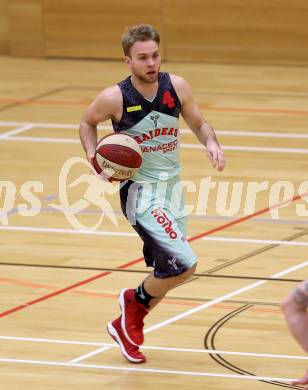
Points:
x=179, y=268
x=192, y=269
x=187, y=272
x=291, y=304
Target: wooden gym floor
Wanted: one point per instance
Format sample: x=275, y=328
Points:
x=223, y=329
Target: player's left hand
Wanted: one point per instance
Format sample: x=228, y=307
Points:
x=215, y=154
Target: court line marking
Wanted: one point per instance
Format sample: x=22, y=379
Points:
x=190, y=302
x=90, y=354
x=66, y=231
x=257, y=134
x=182, y=145
x=224, y=297
x=216, y=107
x=135, y=261
x=204, y=106
x=249, y=148
x=149, y=347
x=192, y=216
x=129, y=235
x=43, y=139
x=28, y=126
x=147, y=370
x=255, y=241
x=231, y=133
x=204, y=306
x=161, y=324
x=19, y=130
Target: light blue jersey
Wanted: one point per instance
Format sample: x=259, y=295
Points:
x=155, y=126
x=152, y=200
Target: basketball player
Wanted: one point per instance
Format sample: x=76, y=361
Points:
x=294, y=308
x=146, y=106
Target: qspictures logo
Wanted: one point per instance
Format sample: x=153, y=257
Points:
x=95, y=195
x=92, y=195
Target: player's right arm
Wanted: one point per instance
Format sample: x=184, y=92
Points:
x=107, y=105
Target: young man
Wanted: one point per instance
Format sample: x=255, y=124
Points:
x=146, y=106
x=294, y=308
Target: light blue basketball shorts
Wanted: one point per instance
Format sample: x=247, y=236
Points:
x=156, y=212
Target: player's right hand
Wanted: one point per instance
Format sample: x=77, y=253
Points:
x=105, y=175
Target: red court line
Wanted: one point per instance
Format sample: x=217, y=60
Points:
x=128, y=264
x=65, y=289
x=243, y=219
x=208, y=107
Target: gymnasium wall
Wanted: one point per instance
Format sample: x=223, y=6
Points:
x=217, y=31
x=26, y=28
x=4, y=27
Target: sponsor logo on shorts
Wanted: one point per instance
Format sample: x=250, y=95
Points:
x=172, y=262
x=165, y=222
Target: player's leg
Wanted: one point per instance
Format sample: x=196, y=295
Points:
x=129, y=351
x=158, y=288
x=166, y=249
x=302, y=381
x=136, y=303
x=128, y=304
x=294, y=308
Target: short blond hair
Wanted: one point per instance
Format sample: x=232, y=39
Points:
x=142, y=32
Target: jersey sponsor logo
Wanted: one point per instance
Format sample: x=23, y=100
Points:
x=169, y=147
x=156, y=133
x=168, y=99
x=154, y=119
x=165, y=222
x=134, y=108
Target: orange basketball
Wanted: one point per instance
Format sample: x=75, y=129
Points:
x=117, y=156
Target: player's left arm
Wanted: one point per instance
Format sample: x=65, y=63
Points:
x=195, y=120
x=302, y=381
x=294, y=308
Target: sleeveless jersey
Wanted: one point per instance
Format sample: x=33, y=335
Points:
x=155, y=126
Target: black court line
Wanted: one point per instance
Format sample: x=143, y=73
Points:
x=255, y=253
x=32, y=98
x=209, y=343
x=208, y=273
x=245, y=257
x=233, y=301
x=137, y=271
